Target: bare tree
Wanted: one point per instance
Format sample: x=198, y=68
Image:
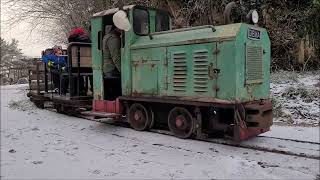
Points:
x=288, y=23
x=54, y=19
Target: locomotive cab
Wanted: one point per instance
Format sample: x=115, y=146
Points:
x=108, y=88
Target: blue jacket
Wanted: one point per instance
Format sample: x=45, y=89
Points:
x=54, y=58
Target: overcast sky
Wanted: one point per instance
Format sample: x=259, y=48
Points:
x=31, y=44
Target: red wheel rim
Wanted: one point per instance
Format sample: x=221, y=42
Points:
x=180, y=122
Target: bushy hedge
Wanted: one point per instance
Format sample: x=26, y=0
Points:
x=292, y=25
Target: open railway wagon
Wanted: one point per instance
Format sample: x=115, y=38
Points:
x=195, y=82
x=38, y=82
x=74, y=92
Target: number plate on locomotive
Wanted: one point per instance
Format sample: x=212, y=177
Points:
x=253, y=34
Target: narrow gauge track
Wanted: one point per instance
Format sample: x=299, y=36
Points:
x=284, y=146
x=268, y=144
x=305, y=149
x=295, y=140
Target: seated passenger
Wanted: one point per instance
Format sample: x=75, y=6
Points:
x=55, y=63
x=111, y=51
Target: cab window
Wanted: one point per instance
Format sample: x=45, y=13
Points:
x=141, y=22
x=162, y=22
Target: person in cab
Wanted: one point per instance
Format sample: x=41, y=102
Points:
x=111, y=51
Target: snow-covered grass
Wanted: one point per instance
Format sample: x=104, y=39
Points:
x=296, y=98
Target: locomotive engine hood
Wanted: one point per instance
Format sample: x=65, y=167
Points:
x=194, y=35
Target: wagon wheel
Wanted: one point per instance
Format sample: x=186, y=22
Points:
x=58, y=108
x=180, y=122
x=61, y=109
x=39, y=104
x=140, y=118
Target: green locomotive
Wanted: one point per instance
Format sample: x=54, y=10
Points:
x=196, y=81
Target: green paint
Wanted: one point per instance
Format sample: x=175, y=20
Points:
x=96, y=36
x=183, y=63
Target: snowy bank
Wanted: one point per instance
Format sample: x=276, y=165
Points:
x=296, y=98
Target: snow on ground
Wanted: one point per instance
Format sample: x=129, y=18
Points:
x=310, y=134
x=40, y=144
x=296, y=98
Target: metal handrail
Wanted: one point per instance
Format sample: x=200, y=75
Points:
x=185, y=29
x=70, y=45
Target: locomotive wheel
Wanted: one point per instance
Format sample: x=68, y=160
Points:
x=180, y=122
x=140, y=118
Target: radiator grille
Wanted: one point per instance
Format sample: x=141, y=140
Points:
x=253, y=64
x=179, y=71
x=200, y=70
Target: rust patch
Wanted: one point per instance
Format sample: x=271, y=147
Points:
x=250, y=92
x=217, y=51
x=192, y=101
x=215, y=88
x=99, y=96
x=197, y=41
x=259, y=112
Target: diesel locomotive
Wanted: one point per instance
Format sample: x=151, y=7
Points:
x=196, y=82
